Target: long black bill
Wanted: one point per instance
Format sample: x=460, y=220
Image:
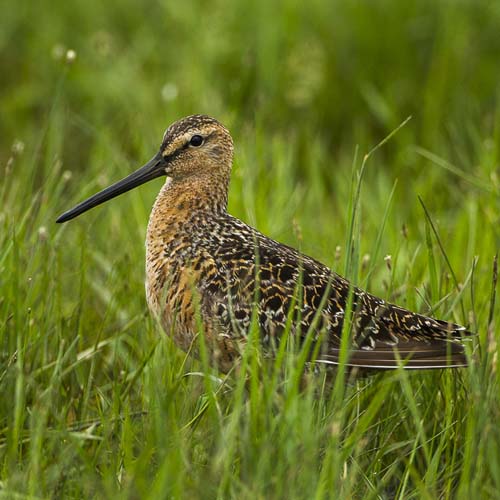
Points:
x=153, y=169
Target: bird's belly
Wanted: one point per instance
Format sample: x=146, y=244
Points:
x=170, y=300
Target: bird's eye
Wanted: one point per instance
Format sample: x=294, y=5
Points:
x=196, y=141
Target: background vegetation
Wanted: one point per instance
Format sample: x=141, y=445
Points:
x=94, y=401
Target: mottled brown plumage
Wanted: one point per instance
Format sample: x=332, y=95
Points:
x=200, y=256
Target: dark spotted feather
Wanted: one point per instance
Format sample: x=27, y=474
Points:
x=383, y=335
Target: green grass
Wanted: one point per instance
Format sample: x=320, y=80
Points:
x=94, y=400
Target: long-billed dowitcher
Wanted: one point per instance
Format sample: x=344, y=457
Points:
x=199, y=256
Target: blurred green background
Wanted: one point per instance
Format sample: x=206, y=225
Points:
x=87, y=89
x=343, y=72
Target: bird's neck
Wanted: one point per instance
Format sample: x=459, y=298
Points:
x=181, y=200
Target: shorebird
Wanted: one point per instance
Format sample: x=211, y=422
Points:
x=204, y=264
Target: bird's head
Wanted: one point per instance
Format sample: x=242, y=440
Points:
x=196, y=146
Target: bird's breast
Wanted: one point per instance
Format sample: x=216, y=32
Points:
x=177, y=264
x=170, y=285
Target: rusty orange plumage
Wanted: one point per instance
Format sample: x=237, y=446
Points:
x=199, y=256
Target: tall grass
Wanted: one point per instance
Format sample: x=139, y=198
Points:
x=94, y=400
